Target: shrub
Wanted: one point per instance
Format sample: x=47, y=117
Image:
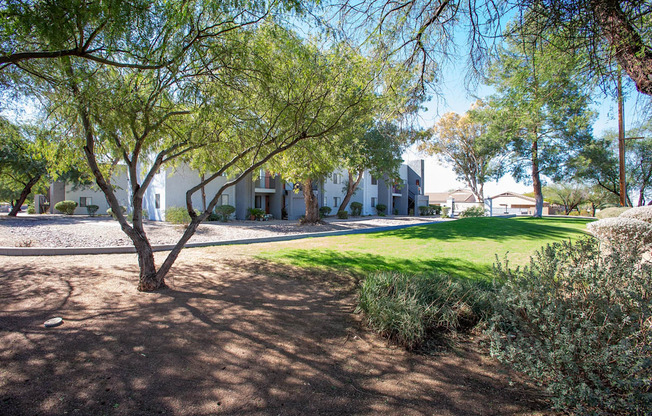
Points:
x=622, y=231
x=573, y=214
x=324, y=211
x=31, y=209
x=144, y=214
x=445, y=211
x=224, y=212
x=411, y=212
x=578, y=321
x=257, y=213
x=356, y=209
x=66, y=207
x=585, y=213
x=381, y=208
x=611, y=212
x=473, y=212
x=92, y=209
x=639, y=213
x=110, y=211
x=410, y=309
x=342, y=214
x=436, y=208
x=425, y=210
x=178, y=215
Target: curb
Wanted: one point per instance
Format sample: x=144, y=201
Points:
x=73, y=251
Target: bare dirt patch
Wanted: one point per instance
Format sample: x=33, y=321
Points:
x=230, y=336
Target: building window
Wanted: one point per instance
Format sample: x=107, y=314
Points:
x=374, y=181
x=373, y=202
x=336, y=201
x=336, y=178
x=157, y=201
x=418, y=183
x=258, y=201
x=224, y=200
x=85, y=201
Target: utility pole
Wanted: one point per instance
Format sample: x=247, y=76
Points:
x=621, y=143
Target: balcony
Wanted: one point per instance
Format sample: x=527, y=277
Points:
x=265, y=183
x=397, y=190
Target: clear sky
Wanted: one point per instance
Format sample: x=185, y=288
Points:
x=455, y=97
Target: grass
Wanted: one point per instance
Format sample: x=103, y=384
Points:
x=465, y=248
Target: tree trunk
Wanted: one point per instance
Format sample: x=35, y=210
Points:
x=536, y=181
x=312, y=205
x=631, y=52
x=350, y=190
x=23, y=195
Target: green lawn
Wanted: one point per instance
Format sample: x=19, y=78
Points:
x=462, y=248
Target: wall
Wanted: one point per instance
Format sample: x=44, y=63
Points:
x=74, y=193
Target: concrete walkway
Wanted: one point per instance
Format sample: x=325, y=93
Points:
x=71, y=251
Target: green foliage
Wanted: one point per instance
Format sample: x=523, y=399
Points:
x=92, y=209
x=475, y=211
x=257, y=213
x=408, y=309
x=445, y=211
x=568, y=195
x=110, y=211
x=356, y=209
x=578, y=322
x=31, y=209
x=342, y=214
x=324, y=211
x=224, y=212
x=177, y=215
x=380, y=209
x=66, y=207
x=144, y=215
x=425, y=210
x=611, y=212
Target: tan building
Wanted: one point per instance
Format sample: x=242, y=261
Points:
x=458, y=200
x=513, y=203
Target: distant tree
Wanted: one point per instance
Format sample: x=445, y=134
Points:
x=540, y=110
x=599, y=198
x=568, y=195
x=23, y=165
x=463, y=143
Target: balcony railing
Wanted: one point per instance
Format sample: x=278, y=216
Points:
x=266, y=182
x=396, y=189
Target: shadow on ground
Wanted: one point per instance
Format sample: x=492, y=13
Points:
x=229, y=336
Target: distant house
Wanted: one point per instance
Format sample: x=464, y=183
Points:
x=458, y=200
x=513, y=203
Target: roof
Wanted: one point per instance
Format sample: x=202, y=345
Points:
x=459, y=195
x=515, y=195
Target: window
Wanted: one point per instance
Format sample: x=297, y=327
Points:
x=224, y=200
x=85, y=201
x=258, y=202
x=373, y=201
x=336, y=178
x=336, y=201
x=157, y=201
x=418, y=183
x=374, y=181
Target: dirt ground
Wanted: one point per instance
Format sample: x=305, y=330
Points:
x=232, y=335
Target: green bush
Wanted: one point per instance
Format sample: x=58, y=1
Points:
x=585, y=213
x=178, y=215
x=573, y=214
x=144, y=215
x=410, y=309
x=92, y=209
x=578, y=320
x=66, y=207
x=324, y=211
x=436, y=208
x=257, y=213
x=356, y=209
x=342, y=214
x=224, y=212
x=381, y=208
x=445, y=211
x=473, y=212
x=425, y=210
x=110, y=211
x=611, y=212
x=31, y=209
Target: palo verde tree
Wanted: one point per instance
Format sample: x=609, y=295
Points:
x=568, y=195
x=267, y=92
x=463, y=143
x=540, y=111
x=23, y=164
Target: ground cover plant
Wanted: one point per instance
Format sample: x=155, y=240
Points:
x=465, y=248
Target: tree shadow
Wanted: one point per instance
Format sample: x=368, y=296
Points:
x=232, y=336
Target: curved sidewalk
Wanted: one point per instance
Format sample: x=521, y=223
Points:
x=72, y=251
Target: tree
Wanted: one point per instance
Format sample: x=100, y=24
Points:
x=603, y=31
x=599, y=198
x=568, y=195
x=378, y=150
x=598, y=163
x=23, y=165
x=540, y=111
x=463, y=143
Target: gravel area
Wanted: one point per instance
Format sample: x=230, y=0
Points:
x=84, y=231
